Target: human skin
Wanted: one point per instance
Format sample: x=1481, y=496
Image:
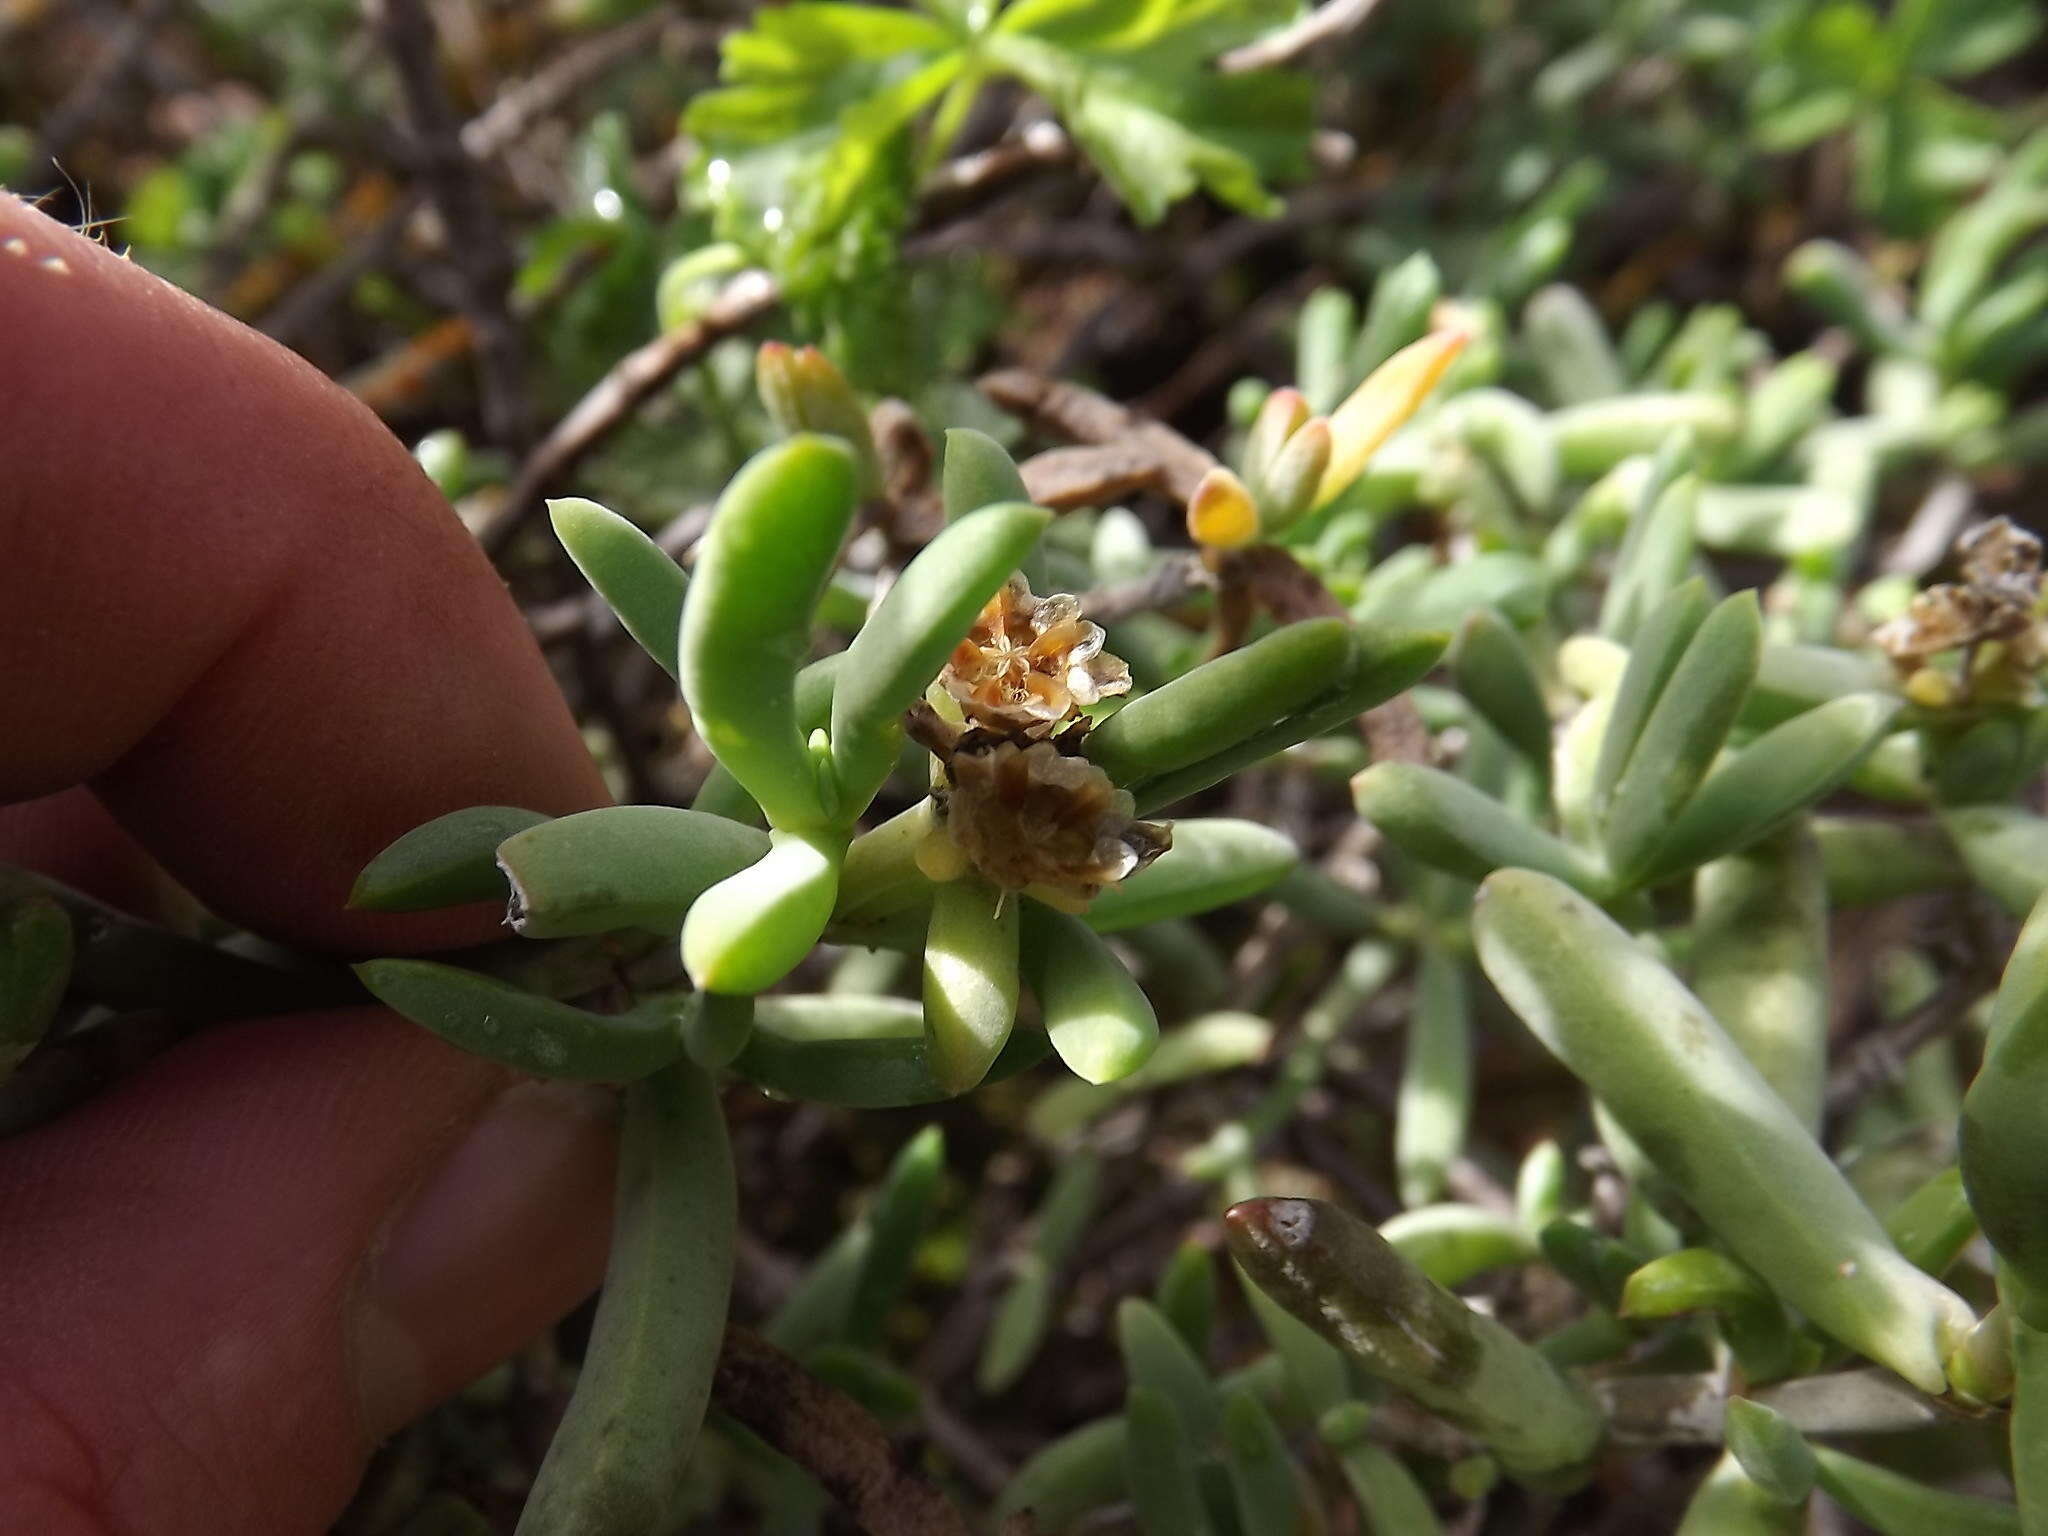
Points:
x=244, y=637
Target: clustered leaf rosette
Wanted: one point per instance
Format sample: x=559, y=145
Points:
x=1043, y=765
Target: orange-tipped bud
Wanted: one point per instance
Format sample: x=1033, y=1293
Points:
x=1221, y=513
x=804, y=391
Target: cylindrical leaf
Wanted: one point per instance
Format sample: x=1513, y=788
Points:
x=1434, y=1101
x=1340, y=1277
x=1156, y=1356
x=35, y=968
x=1729, y=1503
x=644, y=586
x=1771, y=1451
x=857, y=1052
x=1263, y=1485
x=1652, y=657
x=977, y=473
x=622, y=866
x=1382, y=662
x=1161, y=1466
x=1594, y=437
x=448, y=861
x=901, y=1210
x=1684, y=732
x=503, y=1023
x=761, y=569
x=1455, y=1243
x=1570, y=344
x=1492, y=669
x=1220, y=703
x=1776, y=776
x=1760, y=963
x=715, y=1027
x=2004, y=1132
x=1870, y=860
x=615, y=1466
x=1446, y=823
x=1893, y=1505
x=1684, y=1091
x=970, y=979
x=1213, y=861
x=751, y=929
x=1099, y=1021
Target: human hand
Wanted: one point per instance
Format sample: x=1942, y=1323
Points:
x=241, y=631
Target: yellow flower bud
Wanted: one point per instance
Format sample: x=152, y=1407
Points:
x=1221, y=513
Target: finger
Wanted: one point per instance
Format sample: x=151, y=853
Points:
x=231, y=603
x=193, y=1245
x=70, y=837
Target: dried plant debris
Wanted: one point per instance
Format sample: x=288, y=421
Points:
x=1996, y=600
x=1031, y=664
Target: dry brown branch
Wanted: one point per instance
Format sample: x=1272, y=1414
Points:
x=1083, y=416
x=473, y=235
x=831, y=1437
x=1324, y=24
x=612, y=401
x=1168, y=584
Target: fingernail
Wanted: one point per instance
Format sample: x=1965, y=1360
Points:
x=503, y=1238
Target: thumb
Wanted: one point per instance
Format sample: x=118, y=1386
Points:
x=228, y=1279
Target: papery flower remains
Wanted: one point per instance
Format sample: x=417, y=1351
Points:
x=1031, y=664
x=1019, y=805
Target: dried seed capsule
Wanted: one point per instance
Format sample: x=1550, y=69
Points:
x=1029, y=665
x=911, y=634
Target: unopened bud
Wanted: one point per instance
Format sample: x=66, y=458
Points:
x=1289, y=485
x=1278, y=420
x=1221, y=513
x=803, y=391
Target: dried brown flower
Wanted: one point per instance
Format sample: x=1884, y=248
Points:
x=1030, y=664
x=1995, y=600
x=1031, y=817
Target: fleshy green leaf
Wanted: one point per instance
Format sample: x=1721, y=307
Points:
x=1213, y=862
x=622, y=866
x=629, y=570
x=446, y=862
x=507, y=1024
